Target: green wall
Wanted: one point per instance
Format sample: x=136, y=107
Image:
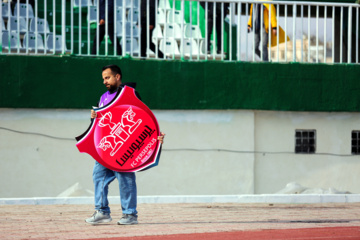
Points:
x=75, y=82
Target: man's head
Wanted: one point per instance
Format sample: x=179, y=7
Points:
x=111, y=75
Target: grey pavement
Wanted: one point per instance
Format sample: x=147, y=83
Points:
x=67, y=221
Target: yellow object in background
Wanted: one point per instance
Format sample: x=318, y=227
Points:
x=281, y=35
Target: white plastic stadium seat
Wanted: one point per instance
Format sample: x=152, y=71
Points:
x=5, y=10
x=84, y=3
x=92, y=15
x=58, y=43
x=42, y=25
x=175, y=16
x=131, y=42
x=3, y=25
x=192, y=31
x=14, y=40
x=172, y=30
x=164, y=4
x=24, y=10
x=34, y=41
x=133, y=16
x=14, y=21
x=191, y=47
x=135, y=29
x=169, y=47
x=119, y=14
x=161, y=17
x=157, y=34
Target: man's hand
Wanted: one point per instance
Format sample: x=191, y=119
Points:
x=102, y=22
x=161, y=137
x=93, y=114
x=249, y=29
x=274, y=31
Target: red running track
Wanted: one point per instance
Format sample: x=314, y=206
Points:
x=331, y=233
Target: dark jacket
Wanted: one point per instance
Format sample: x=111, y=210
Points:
x=102, y=13
x=143, y=9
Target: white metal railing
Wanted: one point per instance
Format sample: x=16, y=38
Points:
x=298, y=32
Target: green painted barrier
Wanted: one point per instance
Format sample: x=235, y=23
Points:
x=75, y=82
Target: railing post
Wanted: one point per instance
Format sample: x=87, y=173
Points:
x=317, y=33
x=72, y=27
x=309, y=39
x=88, y=30
x=294, y=32
x=357, y=35
x=63, y=24
x=341, y=33
x=302, y=39
x=54, y=26
x=349, y=29
x=333, y=35
x=325, y=33
x=1, y=30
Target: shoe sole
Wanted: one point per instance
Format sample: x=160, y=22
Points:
x=101, y=221
x=132, y=223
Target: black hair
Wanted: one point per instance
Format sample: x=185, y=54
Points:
x=114, y=68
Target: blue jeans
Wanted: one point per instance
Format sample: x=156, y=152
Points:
x=102, y=177
x=264, y=47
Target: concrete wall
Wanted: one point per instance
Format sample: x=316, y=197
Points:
x=40, y=166
x=275, y=132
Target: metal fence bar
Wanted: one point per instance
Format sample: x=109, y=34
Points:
x=182, y=30
x=294, y=32
x=339, y=32
x=262, y=29
x=246, y=38
x=317, y=34
x=277, y=38
x=302, y=38
x=106, y=28
x=325, y=32
x=88, y=32
x=71, y=27
x=2, y=23
x=198, y=27
x=269, y=34
x=17, y=32
x=309, y=40
x=333, y=35
x=286, y=11
x=79, y=26
x=213, y=52
x=349, y=29
x=222, y=31
x=253, y=24
x=357, y=35
x=238, y=37
x=124, y=32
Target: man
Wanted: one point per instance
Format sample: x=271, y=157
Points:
x=218, y=22
x=103, y=24
x=145, y=40
x=255, y=14
x=103, y=176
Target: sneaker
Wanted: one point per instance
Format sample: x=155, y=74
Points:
x=99, y=217
x=128, y=219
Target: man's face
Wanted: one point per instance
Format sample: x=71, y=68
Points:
x=111, y=81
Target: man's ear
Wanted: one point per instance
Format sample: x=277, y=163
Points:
x=118, y=76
